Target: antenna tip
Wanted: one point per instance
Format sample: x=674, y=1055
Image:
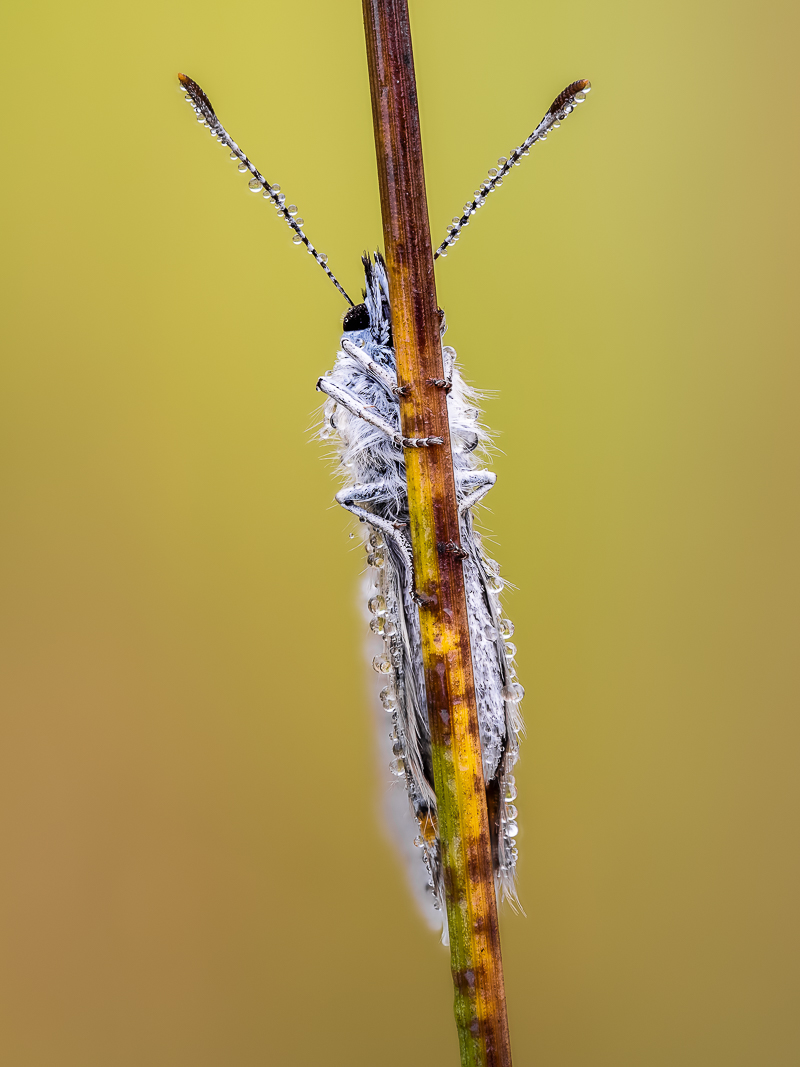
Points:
x=574, y=93
x=199, y=98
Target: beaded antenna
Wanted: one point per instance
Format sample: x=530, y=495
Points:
x=361, y=417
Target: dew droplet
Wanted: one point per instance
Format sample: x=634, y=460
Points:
x=456, y=219
x=292, y=209
x=187, y=97
x=382, y=664
x=542, y=136
x=511, y=811
x=511, y=649
x=397, y=767
x=506, y=628
x=419, y=841
x=254, y=184
x=322, y=257
x=376, y=539
x=490, y=633
x=377, y=605
x=510, y=792
x=579, y=98
x=511, y=829
x=513, y=692
x=234, y=156
x=377, y=624
x=389, y=628
x=376, y=559
x=492, y=172
x=299, y=222
x=297, y=239
x=397, y=748
x=502, y=160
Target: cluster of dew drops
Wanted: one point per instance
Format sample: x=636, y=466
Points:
x=504, y=164
x=383, y=625
x=272, y=193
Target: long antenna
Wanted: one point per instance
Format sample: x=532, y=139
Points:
x=205, y=112
x=563, y=104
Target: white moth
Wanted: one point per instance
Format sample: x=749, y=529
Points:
x=362, y=418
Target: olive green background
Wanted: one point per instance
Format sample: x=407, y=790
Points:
x=194, y=870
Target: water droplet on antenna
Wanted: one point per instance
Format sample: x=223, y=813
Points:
x=254, y=185
x=242, y=167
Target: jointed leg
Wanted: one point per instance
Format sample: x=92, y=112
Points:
x=360, y=409
x=381, y=373
x=482, y=480
x=373, y=491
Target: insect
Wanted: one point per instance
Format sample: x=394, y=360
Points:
x=361, y=417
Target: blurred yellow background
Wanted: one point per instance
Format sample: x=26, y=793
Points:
x=194, y=869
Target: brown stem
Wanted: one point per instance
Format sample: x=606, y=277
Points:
x=480, y=1006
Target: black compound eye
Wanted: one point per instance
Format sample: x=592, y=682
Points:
x=357, y=318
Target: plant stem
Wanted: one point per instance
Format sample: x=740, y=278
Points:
x=463, y=824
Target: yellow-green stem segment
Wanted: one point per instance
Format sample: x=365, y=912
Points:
x=480, y=1005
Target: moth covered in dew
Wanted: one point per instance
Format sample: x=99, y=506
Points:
x=361, y=418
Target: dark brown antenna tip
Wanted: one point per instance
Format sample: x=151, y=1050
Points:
x=583, y=85
x=199, y=98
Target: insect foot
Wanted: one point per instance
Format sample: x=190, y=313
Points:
x=420, y=442
x=450, y=548
x=402, y=390
x=423, y=600
x=440, y=383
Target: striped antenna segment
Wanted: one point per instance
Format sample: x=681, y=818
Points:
x=563, y=104
x=205, y=115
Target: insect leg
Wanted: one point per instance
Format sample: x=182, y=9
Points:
x=371, y=491
x=482, y=480
x=358, y=408
x=381, y=373
x=448, y=362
